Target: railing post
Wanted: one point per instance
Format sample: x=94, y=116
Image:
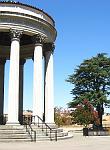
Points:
x=34, y=120
x=26, y=127
x=38, y=122
x=35, y=136
x=42, y=126
x=50, y=135
x=46, y=131
x=56, y=135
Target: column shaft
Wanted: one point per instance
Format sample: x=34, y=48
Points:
x=49, y=94
x=37, y=82
x=2, y=68
x=21, y=76
x=13, y=98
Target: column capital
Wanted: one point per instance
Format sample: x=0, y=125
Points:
x=2, y=61
x=48, y=47
x=22, y=61
x=38, y=39
x=15, y=34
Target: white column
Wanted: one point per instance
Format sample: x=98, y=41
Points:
x=21, y=79
x=13, y=97
x=2, y=69
x=37, y=79
x=49, y=91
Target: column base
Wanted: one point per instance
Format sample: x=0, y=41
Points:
x=13, y=123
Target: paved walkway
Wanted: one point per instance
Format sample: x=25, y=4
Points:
x=78, y=142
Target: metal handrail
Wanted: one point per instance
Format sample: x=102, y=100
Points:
x=30, y=131
x=46, y=127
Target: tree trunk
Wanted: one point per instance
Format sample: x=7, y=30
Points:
x=100, y=113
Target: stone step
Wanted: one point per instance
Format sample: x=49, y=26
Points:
x=44, y=126
x=59, y=134
x=14, y=140
x=18, y=133
x=14, y=136
x=46, y=138
x=11, y=127
x=12, y=131
x=9, y=133
x=48, y=130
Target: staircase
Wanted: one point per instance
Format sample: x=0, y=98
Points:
x=54, y=134
x=9, y=133
x=32, y=132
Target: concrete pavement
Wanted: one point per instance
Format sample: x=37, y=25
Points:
x=78, y=142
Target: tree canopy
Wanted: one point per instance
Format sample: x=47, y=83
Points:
x=85, y=114
x=91, y=80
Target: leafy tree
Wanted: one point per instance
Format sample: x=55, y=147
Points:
x=62, y=118
x=58, y=118
x=91, y=81
x=85, y=114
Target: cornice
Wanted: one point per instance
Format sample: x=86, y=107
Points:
x=26, y=5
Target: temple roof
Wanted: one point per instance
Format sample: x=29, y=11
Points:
x=27, y=5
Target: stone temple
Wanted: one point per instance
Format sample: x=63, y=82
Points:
x=26, y=32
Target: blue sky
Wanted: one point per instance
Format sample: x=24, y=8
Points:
x=83, y=28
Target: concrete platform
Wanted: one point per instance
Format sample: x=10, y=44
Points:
x=78, y=142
